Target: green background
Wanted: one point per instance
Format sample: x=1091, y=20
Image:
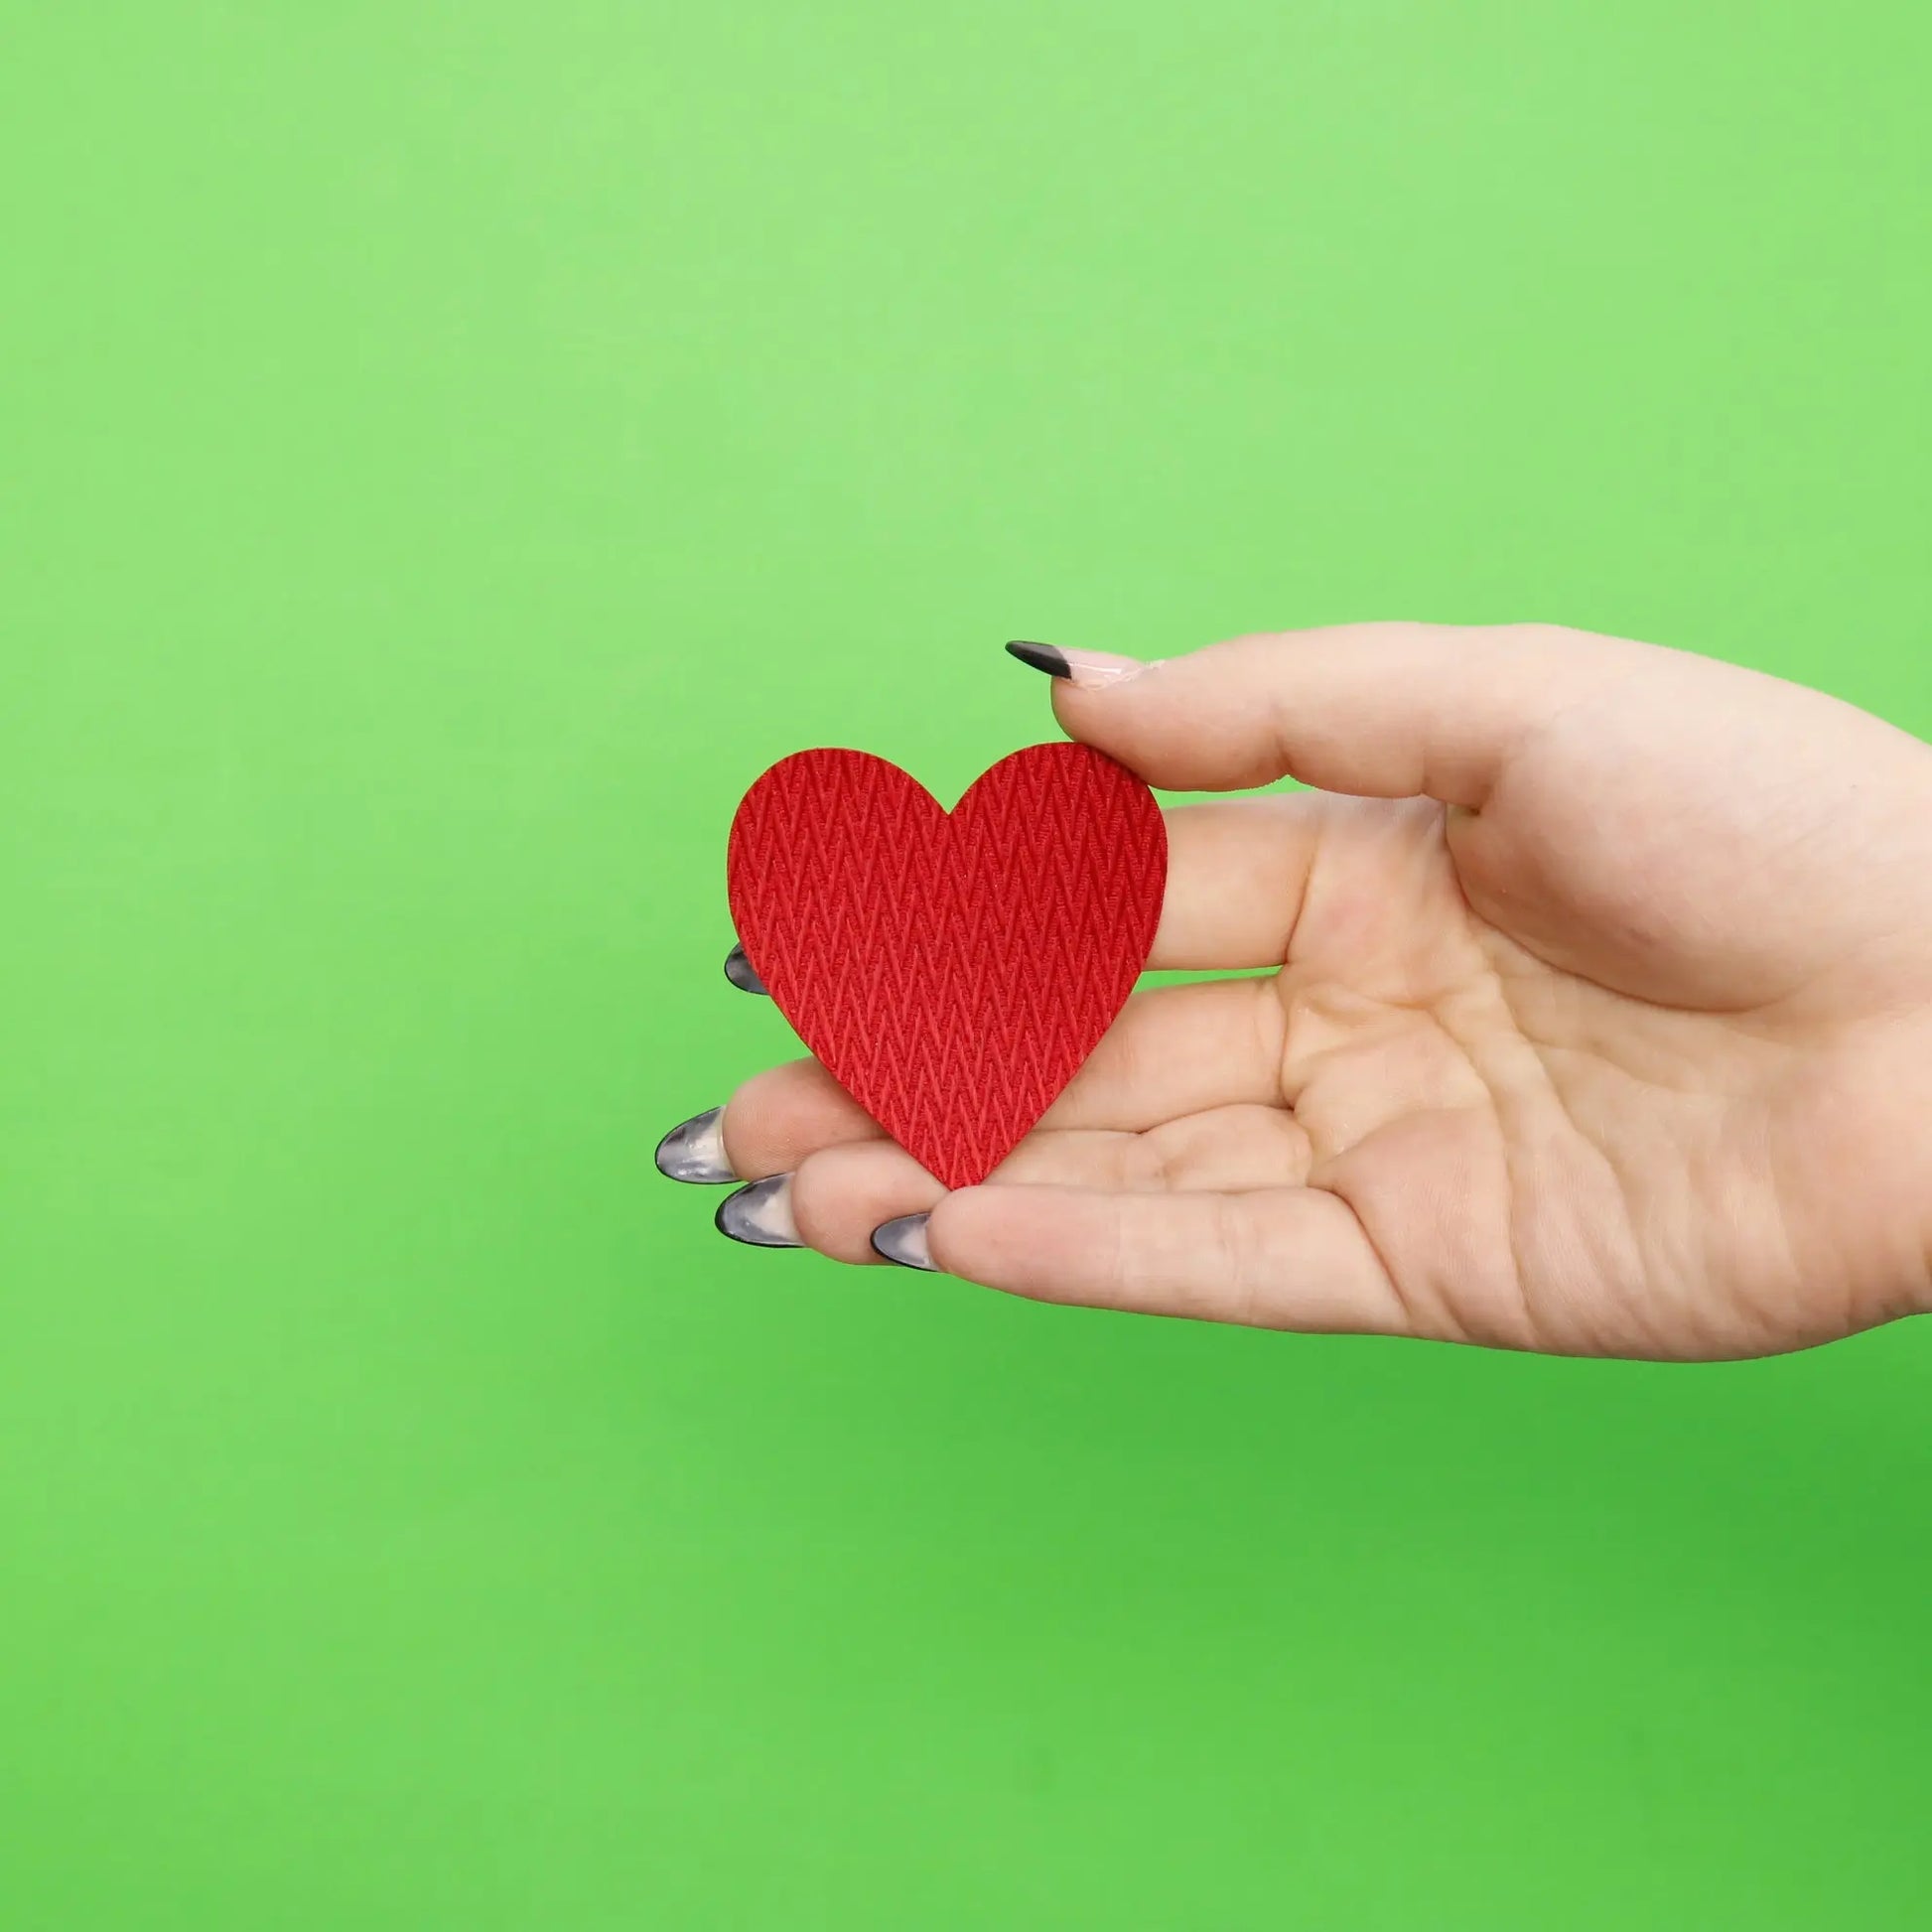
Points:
x=446, y=450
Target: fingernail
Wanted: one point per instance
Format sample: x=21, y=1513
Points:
x=737, y=969
x=760, y=1215
x=1090, y=670
x=694, y=1150
x=905, y=1242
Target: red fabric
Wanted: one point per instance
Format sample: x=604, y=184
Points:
x=951, y=971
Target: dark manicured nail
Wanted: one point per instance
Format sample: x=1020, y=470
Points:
x=1042, y=657
x=737, y=969
x=694, y=1150
x=1092, y=670
x=904, y=1241
x=760, y=1215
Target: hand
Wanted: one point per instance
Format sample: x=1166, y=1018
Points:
x=1602, y=1023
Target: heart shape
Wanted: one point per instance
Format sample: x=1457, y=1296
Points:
x=951, y=971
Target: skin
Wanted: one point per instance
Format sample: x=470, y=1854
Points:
x=1600, y=1024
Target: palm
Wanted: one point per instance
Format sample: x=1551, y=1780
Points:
x=1601, y=1070
x=1535, y=1157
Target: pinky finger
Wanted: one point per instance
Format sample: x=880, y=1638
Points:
x=1277, y=1258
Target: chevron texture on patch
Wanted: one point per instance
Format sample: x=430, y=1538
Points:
x=952, y=970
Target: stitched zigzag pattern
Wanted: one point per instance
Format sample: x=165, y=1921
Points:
x=952, y=972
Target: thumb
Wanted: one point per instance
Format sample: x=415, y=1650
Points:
x=1379, y=710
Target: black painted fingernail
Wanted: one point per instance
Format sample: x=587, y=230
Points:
x=694, y=1150
x=904, y=1241
x=760, y=1215
x=1042, y=657
x=1090, y=669
x=737, y=969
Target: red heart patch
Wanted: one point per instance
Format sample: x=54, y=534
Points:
x=951, y=970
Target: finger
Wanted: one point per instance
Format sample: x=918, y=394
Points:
x=1287, y=1258
x=778, y=1116
x=1237, y=874
x=1379, y=710
x=1227, y=1149
x=1177, y=1051
x=840, y=1195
